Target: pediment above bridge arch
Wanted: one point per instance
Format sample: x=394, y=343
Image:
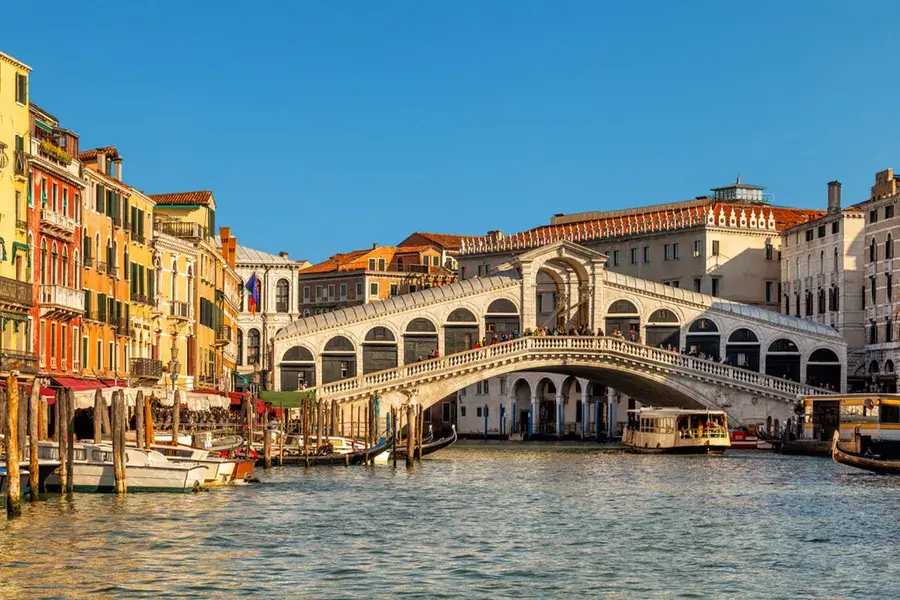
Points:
x=563, y=249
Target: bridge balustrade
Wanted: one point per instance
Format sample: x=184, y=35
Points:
x=537, y=344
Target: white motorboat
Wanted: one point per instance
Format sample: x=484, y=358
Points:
x=145, y=470
x=676, y=431
x=24, y=477
x=219, y=471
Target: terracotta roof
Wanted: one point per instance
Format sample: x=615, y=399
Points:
x=716, y=214
x=203, y=198
x=108, y=151
x=411, y=249
x=351, y=261
x=442, y=240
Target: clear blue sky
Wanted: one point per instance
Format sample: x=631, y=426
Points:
x=327, y=126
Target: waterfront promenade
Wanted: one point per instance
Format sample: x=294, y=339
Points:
x=477, y=522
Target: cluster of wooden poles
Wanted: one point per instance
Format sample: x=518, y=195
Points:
x=326, y=419
x=26, y=422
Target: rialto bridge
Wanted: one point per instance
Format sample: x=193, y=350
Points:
x=659, y=344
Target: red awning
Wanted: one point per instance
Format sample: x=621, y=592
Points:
x=45, y=392
x=79, y=385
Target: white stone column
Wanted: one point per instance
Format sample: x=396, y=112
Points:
x=528, y=302
x=585, y=409
x=535, y=414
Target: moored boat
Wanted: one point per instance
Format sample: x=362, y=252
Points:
x=427, y=447
x=676, y=431
x=145, y=470
x=867, y=462
x=24, y=480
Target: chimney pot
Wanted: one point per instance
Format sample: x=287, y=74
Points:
x=834, y=196
x=283, y=254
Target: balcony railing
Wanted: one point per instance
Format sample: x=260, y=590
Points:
x=22, y=223
x=15, y=292
x=101, y=267
x=112, y=270
x=146, y=368
x=223, y=335
x=59, y=157
x=121, y=325
x=20, y=163
x=95, y=315
x=25, y=362
x=138, y=238
x=183, y=229
x=87, y=260
x=57, y=221
x=179, y=309
x=59, y=300
x=141, y=298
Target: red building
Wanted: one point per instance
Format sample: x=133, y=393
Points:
x=55, y=190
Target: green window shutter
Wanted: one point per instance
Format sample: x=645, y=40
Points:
x=151, y=287
x=101, y=305
x=140, y=223
x=87, y=302
x=101, y=199
x=127, y=313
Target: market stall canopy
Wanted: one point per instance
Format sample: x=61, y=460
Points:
x=288, y=399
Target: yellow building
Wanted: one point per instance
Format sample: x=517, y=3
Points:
x=16, y=292
x=199, y=289
x=169, y=289
x=105, y=332
x=145, y=365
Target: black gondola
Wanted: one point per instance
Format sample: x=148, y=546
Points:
x=357, y=457
x=428, y=448
x=872, y=463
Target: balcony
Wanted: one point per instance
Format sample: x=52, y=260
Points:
x=101, y=267
x=20, y=163
x=146, y=368
x=61, y=302
x=181, y=229
x=112, y=270
x=25, y=362
x=55, y=156
x=15, y=296
x=95, y=315
x=138, y=238
x=223, y=335
x=21, y=223
x=179, y=310
x=140, y=298
x=88, y=260
x=56, y=224
x=120, y=324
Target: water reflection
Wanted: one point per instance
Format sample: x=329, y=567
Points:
x=500, y=523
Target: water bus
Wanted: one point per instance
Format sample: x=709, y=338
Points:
x=676, y=431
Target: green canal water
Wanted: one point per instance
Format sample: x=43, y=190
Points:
x=471, y=522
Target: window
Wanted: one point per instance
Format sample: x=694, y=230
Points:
x=820, y=231
x=331, y=295
x=99, y=355
x=253, y=347
x=715, y=286
x=809, y=235
x=715, y=248
x=872, y=282
x=465, y=272
x=888, y=287
x=698, y=248
x=435, y=261
x=873, y=332
x=667, y=252
x=85, y=350
x=675, y=252
x=381, y=264
x=371, y=264
x=835, y=266
x=445, y=412
x=809, y=303
x=503, y=385
x=615, y=257
x=888, y=330
x=835, y=227
x=112, y=356
x=343, y=291
x=696, y=285
x=477, y=411
x=770, y=251
x=373, y=289
x=394, y=289
x=768, y=291
x=873, y=251
x=646, y=254
x=889, y=211
x=359, y=290
x=240, y=347
x=863, y=296
x=873, y=216
x=21, y=88
x=634, y=256
x=282, y=294
x=482, y=388
x=462, y=409
x=889, y=247
x=318, y=292
x=305, y=293
x=480, y=270
x=821, y=301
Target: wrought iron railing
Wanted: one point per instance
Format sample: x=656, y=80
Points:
x=149, y=368
x=25, y=362
x=179, y=309
x=16, y=292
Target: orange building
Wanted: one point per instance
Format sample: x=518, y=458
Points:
x=105, y=273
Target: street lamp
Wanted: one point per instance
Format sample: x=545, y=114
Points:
x=174, y=371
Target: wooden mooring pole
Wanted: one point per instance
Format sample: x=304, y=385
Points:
x=139, y=419
x=34, y=404
x=22, y=439
x=70, y=438
x=176, y=416
x=61, y=438
x=284, y=426
x=420, y=428
x=395, y=421
x=99, y=409
x=410, y=434
x=11, y=438
x=118, y=441
x=304, y=423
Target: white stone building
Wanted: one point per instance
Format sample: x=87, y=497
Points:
x=280, y=303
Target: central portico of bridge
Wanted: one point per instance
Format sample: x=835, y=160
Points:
x=639, y=328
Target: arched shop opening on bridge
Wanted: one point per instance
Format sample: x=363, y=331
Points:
x=823, y=369
x=502, y=318
x=742, y=349
x=419, y=341
x=546, y=419
x=783, y=360
x=338, y=359
x=663, y=329
x=460, y=331
x=379, y=351
x=298, y=369
x=521, y=395
x=703, y=338
x=623, y=316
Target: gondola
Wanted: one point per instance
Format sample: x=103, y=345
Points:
x=427, y=448
x=873, y=463
x=357, y=457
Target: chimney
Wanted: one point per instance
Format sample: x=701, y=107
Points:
x=283, y=254
x=495, y=235
x=374, y=246
x=834, y=197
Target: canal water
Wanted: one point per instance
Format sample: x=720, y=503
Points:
x=479, y=522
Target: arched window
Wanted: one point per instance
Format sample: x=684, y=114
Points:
x=86, y=250
x=889, y=247
x=873, y=251
x=622, y=307
x=76, y=273
x=253, y=347
x=114, y=257
x=30, y=269
x=65, y=266
x=461, y=315
x=822, y=262
x=189, y=298
x=240, y=347
x=835, y=267
x=43, y=262
x=282, y=295
x=809, y=265
x=54, y=264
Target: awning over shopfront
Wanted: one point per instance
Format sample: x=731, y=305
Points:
x=85, y=389
x=78, y=385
